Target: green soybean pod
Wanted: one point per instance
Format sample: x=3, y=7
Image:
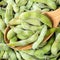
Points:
x=4, y=47
x=33, y=21
x=21, y=3
x=58, y=2
x=50, y=3
x=23, y=34
x=42, y=51
x=22, y=9
x=14, y=39
x=2, y=13
x=12, y=55
x=25, y=25
x=10, y=34
x=53, y=59
x=50, y=31
x=15, y=21
x=36, y=7
x=29, y=4
x=2, y=3
x=31, y=39
x=2, y=25
x=1, y=37
x=55, y=47
x=18, y=55
x=5, y=55
x=1, y=54
x=15, y=7
x=30, y=52
x=37, y=15
x=27, y=56
x=17, y=1
x=9, y=13
x=40, y=38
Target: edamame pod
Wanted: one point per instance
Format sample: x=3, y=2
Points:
x=50, y=3
x=1, y=54
x=10, y=34
x=12, y=55
x=27, y=56
x=18, y=55
x=21, y=2
x=13, y=39
x=55, y=47
x=42, y=51
x=4, y=47
x=31, y=39
x=15, y=21
x=23, y=34
x=36, y=15
x=29, y=4
x=1, y=37
x=2, y=25
x=33, y=21
x=40, y=38
x=9, y=13
x=5, y=55
x=2, y=13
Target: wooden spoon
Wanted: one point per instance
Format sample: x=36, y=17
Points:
x=55, y=18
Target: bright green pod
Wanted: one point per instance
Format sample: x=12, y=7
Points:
x=21, y=2
x=55, y=47
x=9, y=13
x=13, y=39
x=36, y=15
x=1, y=54
x=18, y=55
x=2, y=13
x=10, y=34
x=2, y=25
x=49, y=32
x=27, y=56
x=5, y=55
x=1, y=37
x=40, y=38
x=30, y=52
x=3, y=47
x=2, y=3
x=29, y=4
x=23, y=34
x=31, y=39
x=33, y=21
x=12, y=55
x=15, y=21
x=40, y=52
x=50, y=3
x=57, y=31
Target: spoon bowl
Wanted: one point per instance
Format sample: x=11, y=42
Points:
x=55, y=18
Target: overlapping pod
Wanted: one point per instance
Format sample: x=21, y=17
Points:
x=9, y=13
x=25, y=42
x=32, y=15
x=50, y=3
x=27, y=56
x=1, y=37
x=18, y=55
x=40, y=38
x=2, y=13
x=2, y=25
x=55, y=47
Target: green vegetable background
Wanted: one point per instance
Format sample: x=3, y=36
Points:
x=28, y=25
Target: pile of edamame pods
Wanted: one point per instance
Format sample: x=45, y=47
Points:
x=29, y=26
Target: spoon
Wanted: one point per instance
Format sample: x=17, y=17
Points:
x=55, y=18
